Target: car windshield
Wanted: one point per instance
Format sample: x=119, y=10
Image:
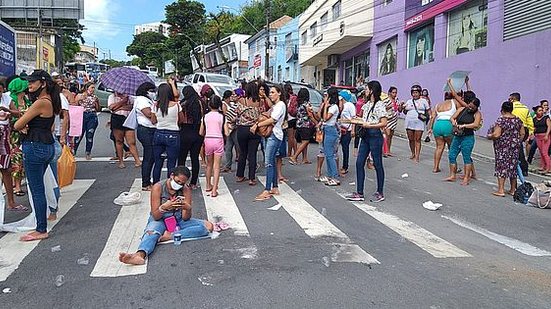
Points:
x=221, y=89
x=221, y=79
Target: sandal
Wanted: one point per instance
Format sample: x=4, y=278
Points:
x=332, y=183
x=33, y=237
x=252, y=182
x=293, y=161
x=19, y=193
x=241, y=179
x=263, y=197
x=208, y=189
x=283, y=179
x=306, y=162
x=214, y=194
x=18, y=208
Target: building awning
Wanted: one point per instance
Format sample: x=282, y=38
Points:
x=338, y=47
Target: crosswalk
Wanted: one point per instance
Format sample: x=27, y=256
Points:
x=226, y=207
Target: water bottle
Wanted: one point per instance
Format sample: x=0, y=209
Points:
x=177, y=236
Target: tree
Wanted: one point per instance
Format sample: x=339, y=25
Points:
x=217, y=26
x=113, y=63
x=187, y=23
x=148, y=46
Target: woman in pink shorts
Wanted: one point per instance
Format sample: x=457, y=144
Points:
x=212, y=128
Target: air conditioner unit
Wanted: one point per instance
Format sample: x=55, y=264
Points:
x=333, y=59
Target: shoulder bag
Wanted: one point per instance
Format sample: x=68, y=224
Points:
x=425, y=116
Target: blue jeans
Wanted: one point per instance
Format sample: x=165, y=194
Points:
x=36, y=158
x=330, y=139
x=145, y=136
x=169, y=142
x=89, y=126
x=272, y=146
x=53, y=166
x=372, y=143
x=345, y=144
x=463, y=144
x=156, y=228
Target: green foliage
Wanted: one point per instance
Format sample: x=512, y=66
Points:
x=70, y=47
x=149, y=47
x=113, y=63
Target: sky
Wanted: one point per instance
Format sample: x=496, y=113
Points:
x=110, y=23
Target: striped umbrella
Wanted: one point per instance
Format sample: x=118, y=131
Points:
x=124, y=80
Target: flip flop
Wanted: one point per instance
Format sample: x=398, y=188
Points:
x=306, y=162
x=29, y=237
x=19, y=193
x=293, y=162
x=18, y=208
x=262, y=198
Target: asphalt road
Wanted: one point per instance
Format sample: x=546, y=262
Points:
x=317, y=251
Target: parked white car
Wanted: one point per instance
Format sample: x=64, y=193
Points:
x=218, y=82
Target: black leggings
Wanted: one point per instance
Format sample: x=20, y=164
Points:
x=190, y=143
x=248, y=146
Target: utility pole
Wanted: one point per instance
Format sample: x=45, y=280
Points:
x=267, y=56
x=39, y=53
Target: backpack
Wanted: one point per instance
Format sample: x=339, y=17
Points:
x=293, y=106
x=523, y=193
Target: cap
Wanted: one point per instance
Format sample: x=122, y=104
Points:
x=38, y=75
x=55, y=74
x=345, y=95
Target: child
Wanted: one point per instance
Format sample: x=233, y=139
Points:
x=213, y=129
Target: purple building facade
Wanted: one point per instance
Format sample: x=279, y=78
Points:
x=424, y=41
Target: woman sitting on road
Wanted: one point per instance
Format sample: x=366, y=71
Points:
x=441, y=126
x=169, y=198
x=414, y=126
x=507, y=136
x=277, y=116
x=465, y=120
x=120, y=106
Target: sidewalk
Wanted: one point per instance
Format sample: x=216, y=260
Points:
x=483, y=148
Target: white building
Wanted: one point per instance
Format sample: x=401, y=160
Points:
x=153, y=27
x=327, y=29
x=233, y=49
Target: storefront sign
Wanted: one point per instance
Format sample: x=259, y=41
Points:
x=419, y=11
x=318, y=39
x=7, y=50
x=257, y=61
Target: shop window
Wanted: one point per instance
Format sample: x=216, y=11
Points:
x=468, y=28
x=348, y=72
x=387, y=56
x=421, y=46
x=336, y=10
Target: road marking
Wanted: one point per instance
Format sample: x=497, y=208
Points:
x=512, y=243
x=424, y=239
x=125, y=237
x=13, y=251
x=223, y=207
x=316, y=225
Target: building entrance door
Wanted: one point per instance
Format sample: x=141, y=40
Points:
x=329, y=76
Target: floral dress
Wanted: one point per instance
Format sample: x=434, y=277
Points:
x=16, y=155
x=506, y=147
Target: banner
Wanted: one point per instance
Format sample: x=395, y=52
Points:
x=468, y=28
x=387, y=56
x=420, y=11
x=8, y=55
x=421, y=46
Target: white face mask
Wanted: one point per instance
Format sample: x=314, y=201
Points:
x=174, y=185
x=152, y=95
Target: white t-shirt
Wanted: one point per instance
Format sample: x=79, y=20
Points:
x=348, y=112
x=334, y=111
x=278, y=114
x=57, y=121
x=5, y=101
x=170, y=120
x=141, y=103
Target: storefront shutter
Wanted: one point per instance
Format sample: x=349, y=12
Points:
x=523, y=17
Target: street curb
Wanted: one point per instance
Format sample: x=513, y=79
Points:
x=476, y=156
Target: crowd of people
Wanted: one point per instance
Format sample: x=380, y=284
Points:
x=252, y=121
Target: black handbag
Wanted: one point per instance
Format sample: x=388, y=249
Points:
x=425, y=116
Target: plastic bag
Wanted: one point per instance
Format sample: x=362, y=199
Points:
x=131, y=121
x=66, y=167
